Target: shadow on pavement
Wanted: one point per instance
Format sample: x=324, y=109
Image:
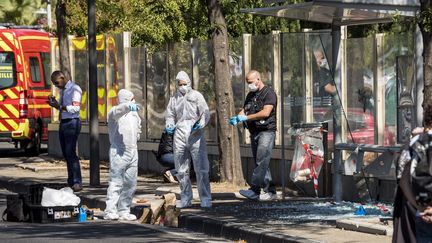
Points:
x=101, y=231
x=14, y=153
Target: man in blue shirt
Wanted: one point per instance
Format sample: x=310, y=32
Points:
x=70, y=124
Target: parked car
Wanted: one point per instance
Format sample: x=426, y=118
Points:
x=361, y=125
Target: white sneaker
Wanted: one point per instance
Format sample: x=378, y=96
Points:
x=111, y=216
x=182, y=204
x=127, y=217
x=268, y=196
x=249, y=194
x=206, y=204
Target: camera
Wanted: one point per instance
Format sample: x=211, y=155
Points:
x=424, y=199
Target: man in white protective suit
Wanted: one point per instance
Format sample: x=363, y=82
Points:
x=186, y=116
x=124, y=126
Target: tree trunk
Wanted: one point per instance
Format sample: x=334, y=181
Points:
x=427, y=56
x=63, y=39
x=230, y=160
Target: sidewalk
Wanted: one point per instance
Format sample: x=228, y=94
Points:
x=230, y=217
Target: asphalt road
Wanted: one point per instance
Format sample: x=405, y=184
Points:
x=9, y=150
x=91, y=231
x=99, y=231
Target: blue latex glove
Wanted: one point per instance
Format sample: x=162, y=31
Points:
x=170, y=129
x=134, y=107
x=233, y=120
x=241, y=118
x=196, y=126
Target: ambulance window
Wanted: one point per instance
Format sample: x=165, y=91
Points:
x=46, y=60
x=35, y=69
x=7, y=70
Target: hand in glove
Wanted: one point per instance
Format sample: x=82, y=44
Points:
x=236, y=119
x=233, y=121
x=133, y=107
x=242, y=118
x=170, y=129
x=196, y=126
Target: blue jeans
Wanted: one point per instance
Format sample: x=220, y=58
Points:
x=167, y=160
x=262, y=146
x=423, y=231
x=68, y=134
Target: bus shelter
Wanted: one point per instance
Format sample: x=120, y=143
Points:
x=341, y=14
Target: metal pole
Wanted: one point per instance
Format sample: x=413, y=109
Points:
x=93, y=98
x=49, y=13
x=327, y=167
x=419, y=81
x=283, y=165
x=337, y=176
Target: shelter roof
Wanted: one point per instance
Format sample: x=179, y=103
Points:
x=341, y=12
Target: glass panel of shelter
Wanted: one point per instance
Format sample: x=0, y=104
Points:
x=304, y=100
x=80, y=73
x=137, y=84
x=158, y=93
x=203, y=81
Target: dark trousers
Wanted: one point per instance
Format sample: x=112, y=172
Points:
x=68, y=134
x=262, y=146
x=167, y=160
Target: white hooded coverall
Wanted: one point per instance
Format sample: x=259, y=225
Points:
x=183, y=112
x=124, y=127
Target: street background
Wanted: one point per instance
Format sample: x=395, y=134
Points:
x=295, y=219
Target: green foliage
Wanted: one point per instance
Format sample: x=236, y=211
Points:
x=399, y=24
x=76, y=18
x=19, y=12
x=155, y=23
x=426, y=20
x=360, y=31
x=262, y=50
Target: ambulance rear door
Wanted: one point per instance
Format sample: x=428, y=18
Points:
x=38, y=87
x=9, y=95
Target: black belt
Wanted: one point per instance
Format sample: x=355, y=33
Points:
x=68, y=119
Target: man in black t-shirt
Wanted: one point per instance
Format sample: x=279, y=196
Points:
x=259, y=114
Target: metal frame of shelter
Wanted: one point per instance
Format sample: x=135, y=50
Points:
x=340, y=14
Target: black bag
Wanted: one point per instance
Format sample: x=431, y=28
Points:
x=165, y=144
x=421, y=178
x=16, y=209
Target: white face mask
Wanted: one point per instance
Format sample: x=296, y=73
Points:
x=252, y=87
x=183, y=89
x=324, y=63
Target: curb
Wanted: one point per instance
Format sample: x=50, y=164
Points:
x=235, y=231
x=364, y=227
x=216, y=228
